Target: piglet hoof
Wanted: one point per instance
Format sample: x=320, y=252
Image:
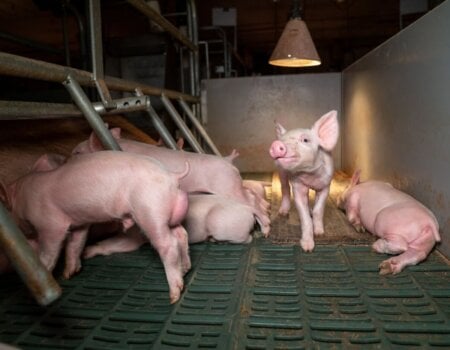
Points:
x=186, y=266
x=319, y=231
x=265, y=230
x=175, y=293
x=69, y=272
x=307, y=245
x=389, y=266
x=91, y=251
x=283, y=213
x=359, y=228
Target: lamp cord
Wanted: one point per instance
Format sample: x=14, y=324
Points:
x=296, y=9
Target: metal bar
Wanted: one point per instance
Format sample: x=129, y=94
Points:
x=36, y=277
x=161, y=128
x=193, y=55
x=148, y=11
x=157, y=122
x=18, y=66
x=208, y=74
x=94, y=120
x=65, y=34
x=95, y=32
x=181, y=125
x=12, y=110
x=82, y=30
x=199, y=127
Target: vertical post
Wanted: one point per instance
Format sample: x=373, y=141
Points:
x=181, y=125
x=94, y=120
x=36, y=277
x=95, y=26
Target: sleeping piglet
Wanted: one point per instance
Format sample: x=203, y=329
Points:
x=404, y=225
x=104, y=186
x=303, y=158
x=209, y=217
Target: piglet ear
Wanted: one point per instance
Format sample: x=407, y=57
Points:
x=356, y=178
x=327, y=130
x=94, y=143
x=279, y=129
x=115, y=132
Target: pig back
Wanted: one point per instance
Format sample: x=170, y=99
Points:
x=99, y=186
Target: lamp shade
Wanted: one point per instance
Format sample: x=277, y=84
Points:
x=295, y=47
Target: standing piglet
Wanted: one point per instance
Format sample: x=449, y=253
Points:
x=62, y=203
x=208, y=173
x=404, y=225
x=303, y=158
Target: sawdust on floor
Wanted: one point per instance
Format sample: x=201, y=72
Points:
x=287, y=230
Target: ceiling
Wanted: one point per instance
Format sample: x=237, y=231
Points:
x=343, y=30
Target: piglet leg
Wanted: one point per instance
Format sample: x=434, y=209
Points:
x=285, y=194
x=74, y=246
x=302, y=205
x=183, y=246
x=319, y=210
x=416, y=252
x=120, y=243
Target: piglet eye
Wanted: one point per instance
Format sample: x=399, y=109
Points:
x=305, y=140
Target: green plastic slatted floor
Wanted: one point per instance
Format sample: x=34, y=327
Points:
x=256, y=296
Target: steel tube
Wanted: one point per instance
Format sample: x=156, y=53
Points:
x=94, y=120
x=181, y=125
x=36, y=277
x=161, y=128
x=23, y=67
x=12, y=110
x=199, y=127
x=148, y=11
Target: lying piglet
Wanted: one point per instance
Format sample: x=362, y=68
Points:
x=208, y=173
x=62, y=203
x=404, y=225
x=303, y=158
x=209, y=217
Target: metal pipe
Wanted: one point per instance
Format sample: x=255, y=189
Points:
x=157, y=123
x=65, y=34
x=95, y=31
x=12, y=110
x=208, y=74
x=181, y=125
x=194, y=55
x=23, y=67
x=94, y=120
x=148, y=11
x=199, y=127
x=161, y=128
x=36, y=277
x=82, y=31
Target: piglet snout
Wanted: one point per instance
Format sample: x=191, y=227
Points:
x=277, y=149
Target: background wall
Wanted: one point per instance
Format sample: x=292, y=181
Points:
x=240, y=112
x=396, y=123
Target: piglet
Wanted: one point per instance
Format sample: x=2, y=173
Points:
x=208, y=173
x=404, y=225
x=303, y=158
x=105, y=186
x=209, y=217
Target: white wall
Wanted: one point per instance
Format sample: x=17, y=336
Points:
x=396, y=123
x=240, y=112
